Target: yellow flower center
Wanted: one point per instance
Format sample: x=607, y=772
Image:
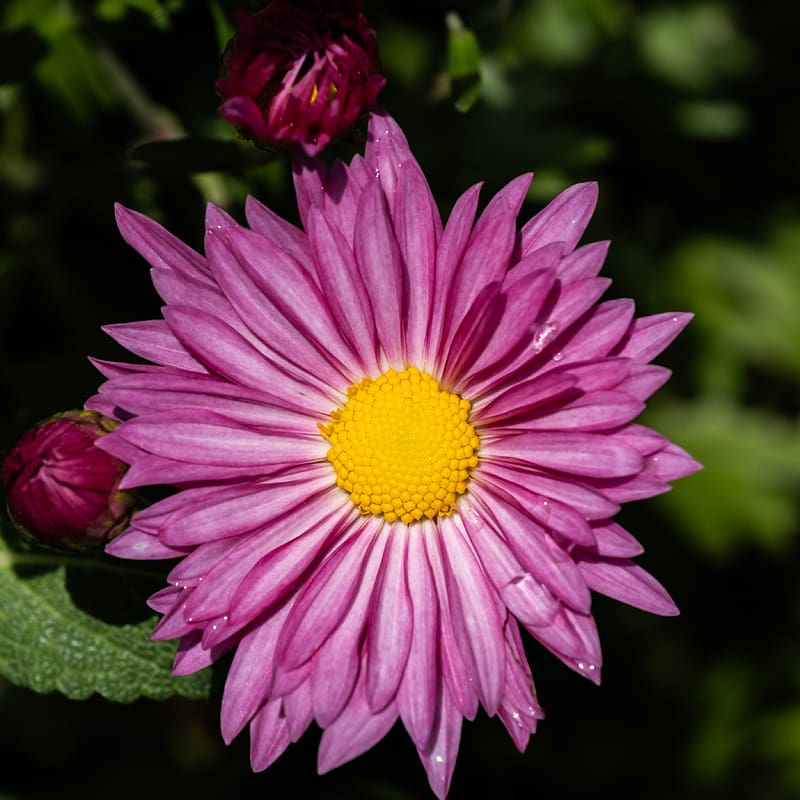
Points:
x=401, y=446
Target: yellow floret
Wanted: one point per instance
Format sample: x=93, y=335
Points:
x=401, y=446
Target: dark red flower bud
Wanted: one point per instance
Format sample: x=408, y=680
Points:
x=61, y=490
x=300, y=72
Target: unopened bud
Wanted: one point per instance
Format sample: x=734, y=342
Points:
x=300, y=73
x=61, y=490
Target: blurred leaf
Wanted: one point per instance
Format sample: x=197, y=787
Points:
x=693, y=46
x=747, y=492
x=463, y=63
x=721, y=734
x=563, y=32
x=48, y=643
x=20, y=51
x=405, y=53
x=223, y=28
x=158, y=11
x=463, y=50
x=192, y=155
x=72, y=71
x=716, y=119
x=750, y=302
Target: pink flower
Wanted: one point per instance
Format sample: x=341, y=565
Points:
x=300, y=72
x=61, y=490
x=393, y=443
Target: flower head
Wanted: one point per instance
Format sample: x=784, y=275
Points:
x=300, y=72
x=61, y=490
x=393, y=443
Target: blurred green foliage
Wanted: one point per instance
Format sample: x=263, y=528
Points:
x=681, y=111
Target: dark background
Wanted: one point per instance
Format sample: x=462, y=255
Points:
x=686, y=113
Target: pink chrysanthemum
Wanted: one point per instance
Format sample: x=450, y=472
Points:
x=393, y=443
x=300, y=72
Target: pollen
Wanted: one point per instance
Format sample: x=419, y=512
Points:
x=401, y=446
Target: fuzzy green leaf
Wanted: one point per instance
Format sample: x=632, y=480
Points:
x=49, y=640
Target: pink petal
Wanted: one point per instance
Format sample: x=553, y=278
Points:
x=439, y=759
x=523, y=595
x=154, y=341
x=233, y=357
x=583, y=262
x=572, y=638
x=521, y=304
x=417, y=224
x=614, y=541
x=485, y=261
x=596, y=411
x=325, y=599
x=476, y=624
x=288, y=287
x=390, y=624
x=535, y=550
x=337, y=664
x=420, y=684
x=212, y=440
x=448, y=256
x=520, y=712
x=250, y=675
x=268, y=324
x=269, y=735
x=525, y=397
x=648, y=336
x=354, y=731
x=387, y=151
x=275, y=228
x=313, y=524
x=627, y=582
x=158, y=246
x=545, y=511
x=564, y=219
x=380, y=265
x=575, y=453
x=309, y=176
x=585, y=500
x=136, y=544
x=644, y=380
x=241, y=512
x=298, y=710
x=453, y=669
x=344, y=289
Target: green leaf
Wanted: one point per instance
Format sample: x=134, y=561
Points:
x=50, y=641
x=463, y=50
x=747, y=492
x=749, y=299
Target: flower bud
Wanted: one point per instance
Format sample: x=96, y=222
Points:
x=61, y=490
x=300, y=72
